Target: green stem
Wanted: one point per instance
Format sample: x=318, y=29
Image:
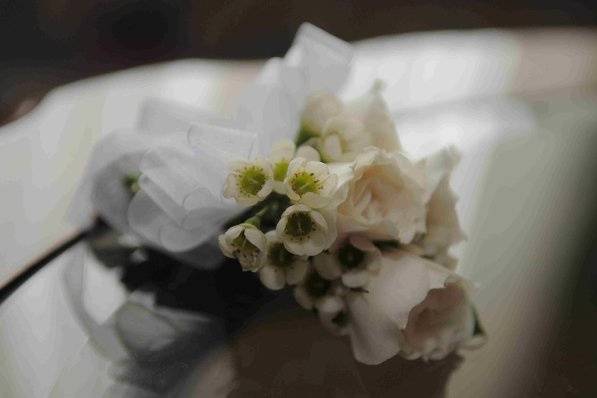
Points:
x=303, y=136
x=256, y=218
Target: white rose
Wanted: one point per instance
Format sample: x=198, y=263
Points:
x=385, y=197
x=246, y=243
x=310, y=183
x=306, y=232
x=377, y=318
x=249, y=182
x=442, y=323
x=280, y=266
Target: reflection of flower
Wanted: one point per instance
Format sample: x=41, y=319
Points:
x=249, y=182
x=440, y=324
x=246, y=243
x=305, y=231
x=280, y=266
x=310, y=183
x=385, y=198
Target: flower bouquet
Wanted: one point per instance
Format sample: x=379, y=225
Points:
x=296, y=192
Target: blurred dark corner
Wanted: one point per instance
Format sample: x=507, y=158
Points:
x=45, y=43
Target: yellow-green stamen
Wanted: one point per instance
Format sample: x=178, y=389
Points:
x=280, y=170
x=303, y=182
x=251, y=180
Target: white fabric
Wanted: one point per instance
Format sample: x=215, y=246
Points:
x=184, y=154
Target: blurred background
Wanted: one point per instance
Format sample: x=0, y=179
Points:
x=46, y=43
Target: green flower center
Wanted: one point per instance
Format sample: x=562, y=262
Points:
x=299, y=225
x=350, y=257
x=303, y=182
x=243, y=245
x=316, y=286
x=280, y=170
x=279, y=256
x=251, y=180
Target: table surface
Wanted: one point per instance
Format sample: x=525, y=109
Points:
x=527, y=134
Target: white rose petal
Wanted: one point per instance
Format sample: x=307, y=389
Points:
x=377, y=317
x=442, y=224
x=442, y=323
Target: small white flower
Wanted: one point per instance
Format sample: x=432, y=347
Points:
x=353, y=261
x=315, y=292
x=386, y=197
x=282, y=154
x=306, y=232
x=249, y=182
x=246, y=243
x=307, y=152
x=319, y=108
x=343, y=138
x=280, y=266
x=310, y=183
